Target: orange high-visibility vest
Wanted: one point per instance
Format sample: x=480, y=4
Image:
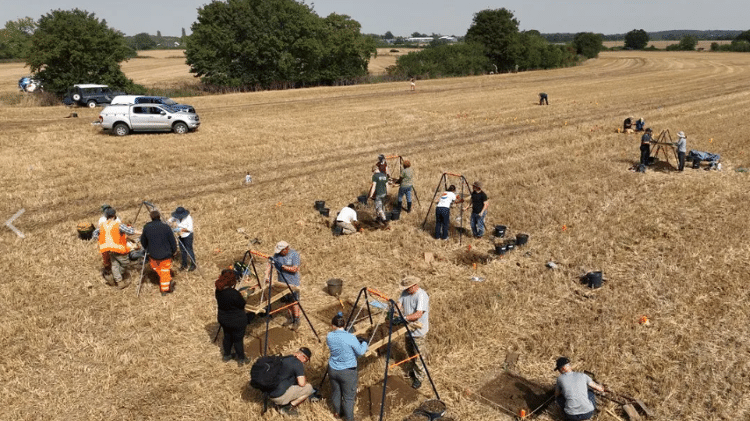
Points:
x=111, y=239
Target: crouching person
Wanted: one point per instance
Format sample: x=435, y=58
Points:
x=293, y=387
x=573, y=392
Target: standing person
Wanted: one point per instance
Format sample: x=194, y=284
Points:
x=543, y=99
x=646, y=140
x=287, y=262
x=347, y=220
x=413, y=84
x=479, y=205
x=184, y=228
x=443, y=212
x=342, y=367
x=573, y=392
x=406, y=184
x=113, y=240
x=231, y=316
x=293, y=387
x=378, y=191
x=159, y=242
x=681, y=149
x=106, y=261
x=415, y=305
x=248, y=178
x=382, y=164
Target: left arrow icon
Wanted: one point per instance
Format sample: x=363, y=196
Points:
x=9, y=223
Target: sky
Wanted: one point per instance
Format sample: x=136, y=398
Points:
x=442, y=17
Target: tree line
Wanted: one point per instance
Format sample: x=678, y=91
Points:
x=267, y=44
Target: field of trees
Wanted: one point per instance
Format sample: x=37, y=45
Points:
x=671, y=245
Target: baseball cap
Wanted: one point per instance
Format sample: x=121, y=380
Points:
x=306, y=351
x=561, y=362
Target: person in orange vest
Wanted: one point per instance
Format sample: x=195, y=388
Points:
x=114, y=241
x=159, y=242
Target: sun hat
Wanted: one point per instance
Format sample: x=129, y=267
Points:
x=680, y=134
x=280, y=246
x=105, y=207
x=560, y=363
x=409, y=281
x=110, y=212
x=306, y=351
x=478, y=184
x=180, y=213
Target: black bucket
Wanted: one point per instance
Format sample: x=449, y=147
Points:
x=500, y=249
x=362, y=199
x=593, y=280
x=395, y=215
x=85, y=231
x=320, y=204
x=433, y=408
x=335, y=286
x=522, y=239
x=510, y=246
x=325, y=212
x=500, y=231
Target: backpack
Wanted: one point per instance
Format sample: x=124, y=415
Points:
x=264, y=374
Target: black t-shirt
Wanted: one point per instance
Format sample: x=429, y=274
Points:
x=291, y=368
x=477, y=201
x=231, y=306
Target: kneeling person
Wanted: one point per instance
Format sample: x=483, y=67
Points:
x=293, y=387
x=573, y=392
x=347, y=220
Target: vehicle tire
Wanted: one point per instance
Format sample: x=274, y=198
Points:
x=91, y=103
x=180, y=128
x=76, y=97
x=121, y=129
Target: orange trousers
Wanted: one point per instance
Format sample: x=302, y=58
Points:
x=163, y=269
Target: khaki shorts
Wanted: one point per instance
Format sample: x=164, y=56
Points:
x=293, y=393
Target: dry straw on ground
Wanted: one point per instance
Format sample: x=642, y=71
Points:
x=671, y=245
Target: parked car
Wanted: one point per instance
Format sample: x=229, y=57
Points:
x=29, y=84
x=123, y=119
x=142, y=99
x=90, y=95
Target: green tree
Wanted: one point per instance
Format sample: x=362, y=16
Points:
x=265, y=43
x=637, y=39
x=497, y=31
x=443, y=61
x=388, y=35
x=588, y=44
x=16, y=37
x=688, y=43
x=73, y=46
x=744, y=36
x=143, y=41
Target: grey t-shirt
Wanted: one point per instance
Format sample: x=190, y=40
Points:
x=682, y=145
x=574, y=387
x=419, y=301
x=407, y=175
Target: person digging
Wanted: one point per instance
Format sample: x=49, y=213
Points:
x=573, y=392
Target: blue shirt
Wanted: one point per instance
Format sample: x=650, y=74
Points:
x=291, y=259
x=344, y=349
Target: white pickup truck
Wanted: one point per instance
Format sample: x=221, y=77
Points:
x=123, y=119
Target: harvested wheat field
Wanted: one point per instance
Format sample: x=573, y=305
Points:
x=672, y=246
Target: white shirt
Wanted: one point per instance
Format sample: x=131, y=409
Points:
x=347, y=215
x=186, y=224
x=446, y=199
